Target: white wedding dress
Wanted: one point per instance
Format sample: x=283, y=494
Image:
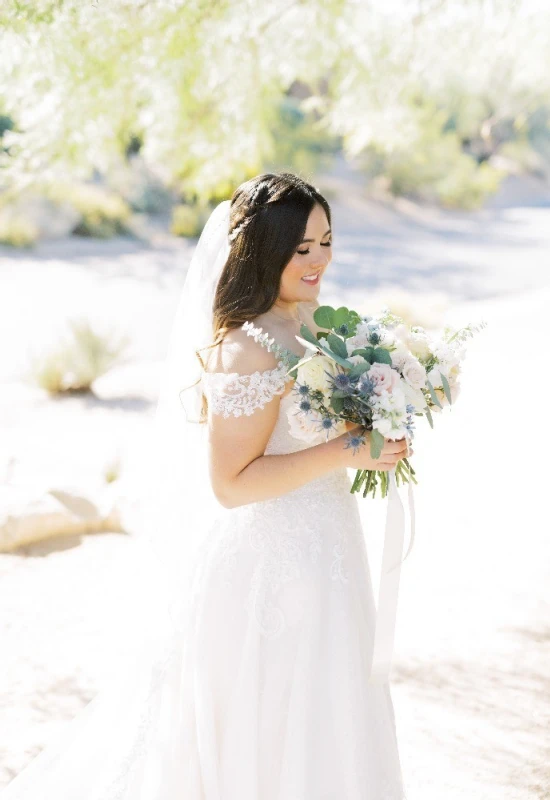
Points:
x=268, y=697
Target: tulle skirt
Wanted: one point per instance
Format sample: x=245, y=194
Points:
x=263, y=694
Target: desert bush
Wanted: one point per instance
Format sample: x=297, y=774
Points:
x=16, y=231
x=75, y=362
x=103, y=212
x=187, y=220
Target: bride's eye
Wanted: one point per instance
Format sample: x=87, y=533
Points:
x=305, y=252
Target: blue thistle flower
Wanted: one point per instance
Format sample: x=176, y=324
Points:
x=374, y=338
x=327, y=423
x=348, y=403
x=303, y=389
x=409, y=409
x=355, y=441
x=305, y=405
x=343, y=329
x=343, y=382
x=366, y=385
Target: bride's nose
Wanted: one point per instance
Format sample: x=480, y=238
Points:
x=320, y=261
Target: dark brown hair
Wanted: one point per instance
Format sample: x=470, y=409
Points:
x=267, y=222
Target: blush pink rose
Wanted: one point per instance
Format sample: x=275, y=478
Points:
x=384, y=377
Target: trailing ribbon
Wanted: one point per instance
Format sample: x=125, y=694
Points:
x=386, y=614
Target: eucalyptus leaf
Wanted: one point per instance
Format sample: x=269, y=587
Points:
x=339, y=360
x=337, y=403
x=434, y=397
x=382, y=356
x=341, y=316
x=358, y=369
x=337, y=345
x=305, y=333
x=366, y=352
x=446, y=388
x=309, y=345
x=429, y=416
x=324, y=317
x=376, y=443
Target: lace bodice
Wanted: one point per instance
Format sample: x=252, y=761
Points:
x=234, y=394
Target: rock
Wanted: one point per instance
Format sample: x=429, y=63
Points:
x=33, y=513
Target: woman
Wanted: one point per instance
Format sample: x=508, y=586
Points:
x=263, y=693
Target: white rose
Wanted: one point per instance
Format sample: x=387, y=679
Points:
x=314, y=373
x=387, y=338
x=413, y=396
x=399, y=356
x=414, y=373
x=419, y=344
x=305, y=426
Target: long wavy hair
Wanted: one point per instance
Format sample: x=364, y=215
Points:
x=267, y=222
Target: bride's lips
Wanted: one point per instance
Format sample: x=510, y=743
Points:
x=312, y=280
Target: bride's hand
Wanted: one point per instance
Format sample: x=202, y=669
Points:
x=392, y=452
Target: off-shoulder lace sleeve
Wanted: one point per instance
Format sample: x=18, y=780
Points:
x=234, y=394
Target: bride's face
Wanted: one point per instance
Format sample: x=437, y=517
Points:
x=301, y=278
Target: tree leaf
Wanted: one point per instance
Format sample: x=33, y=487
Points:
x=337, y=345
x=324, y=317
x=337, y=403
x=376, y=443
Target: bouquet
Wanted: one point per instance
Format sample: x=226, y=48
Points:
x=375, y=372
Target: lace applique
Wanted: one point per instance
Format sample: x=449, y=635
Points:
x=234, y=394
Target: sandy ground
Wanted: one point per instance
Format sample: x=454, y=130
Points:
x=471, y=674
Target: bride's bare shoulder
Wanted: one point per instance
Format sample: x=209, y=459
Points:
x=240, y=353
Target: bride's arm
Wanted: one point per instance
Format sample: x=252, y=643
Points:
x=240, y=472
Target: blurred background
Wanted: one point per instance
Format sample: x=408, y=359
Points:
x=426, y=123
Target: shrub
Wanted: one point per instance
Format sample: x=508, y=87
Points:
x=187, y=220
x=16, y=231
x=75, y=363
x=103, y=212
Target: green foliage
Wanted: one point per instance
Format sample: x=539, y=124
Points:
x=212, y=92
x=376, y=443
x=187, y=221
x=16, y=231
x=75, y=363
x=103, y=213
x=337, y=345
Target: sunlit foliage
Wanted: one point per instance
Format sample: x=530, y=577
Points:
x=420, y=92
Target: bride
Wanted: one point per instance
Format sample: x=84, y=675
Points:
x=250, y=681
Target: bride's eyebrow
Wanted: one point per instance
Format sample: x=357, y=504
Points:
x=312, y=240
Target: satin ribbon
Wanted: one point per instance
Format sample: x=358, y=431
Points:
x=386, y=614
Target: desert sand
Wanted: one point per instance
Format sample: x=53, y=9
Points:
x=471, y=669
